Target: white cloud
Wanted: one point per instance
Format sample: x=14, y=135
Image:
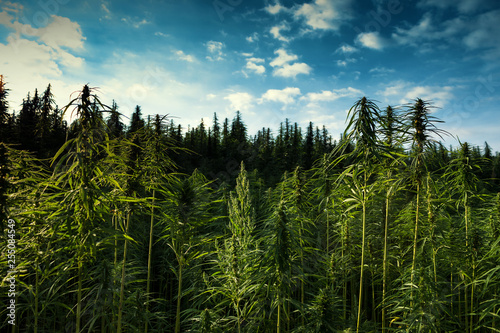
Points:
x=394, y=89
x=29, y=57
x=380, y=71
x=285, y=96
x=292, y=70
x=283, y=67
x=59, y=32
x=331, y=95
x=424, y=30
x=282, y=58
x=215, y=50
x=463, y=6
x=323, y=14
x=253, y=38
x=135, y=24
x=346, y=49
x=371, y=40
x=345, y=62
x=406, y=92
x=252, y=64
x=275, y=9
x=106, y=10
x=13, y=7
x=438, y=95
x=62, y=32
x=11, y=22
x=161, y=34
x=474, y=32
x=240, y=101
x=185, y=57
x=27, y=64
x=38, y=54
x=483, y=33
x=276, y=32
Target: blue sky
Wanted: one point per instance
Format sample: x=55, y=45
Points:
x=302, y=60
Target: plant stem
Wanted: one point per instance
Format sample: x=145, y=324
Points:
x=79, y=292
x=362, y=255
x=415, y=244
x=279, y=314
x=122, y=287
x=384, y=273
x=151, y=227
x=179, y=295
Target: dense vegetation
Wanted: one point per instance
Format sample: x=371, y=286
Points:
x=147, y=228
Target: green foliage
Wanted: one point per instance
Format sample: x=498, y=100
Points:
x=383, y=231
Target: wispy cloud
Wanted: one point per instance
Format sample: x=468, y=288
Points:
x=331, y=95
x=381, y=71
x=214, y=49
x=403, y=92
x=463, y=6
x=346, y=49
x=12, y=7
x=253, y=38
x=161, y=34
x=323, y=14
x=106, y=10
x=316, y=15
x=275, y=9
x=135, y=23
x=276, y=32
x=185, y=57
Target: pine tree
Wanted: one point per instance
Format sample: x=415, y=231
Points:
x=4, y=115
x=114, y=124
x=136, y=122
x=27, y=122
x=309, y=147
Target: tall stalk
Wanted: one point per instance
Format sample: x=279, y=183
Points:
x=421, y=126
x=78, y=171
x=463, y=184
x=187, y=211
x=122, y=284
x=390, y=130
x=384, y=264
x=150, y=254
x=362, y=129
x=363, y=239
x=180, y=260
x=415, y=239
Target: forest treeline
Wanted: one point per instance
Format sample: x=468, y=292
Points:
x=154, y=228
x=216, y=149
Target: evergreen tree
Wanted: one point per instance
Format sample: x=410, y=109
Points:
x=309, y=147
x=4, y=115
x=136, y=123
x=216, y=133
x=44, y=126
x=115, y=126
x=27, y=123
